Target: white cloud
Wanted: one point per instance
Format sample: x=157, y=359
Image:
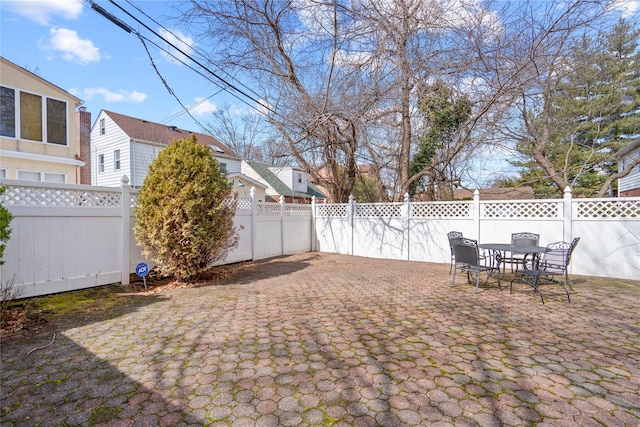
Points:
x=179, y=40
x=72, y=47
x=264, y=106
x=109, y=96
x=202, y=106
x=42, y=11
x=628, y=8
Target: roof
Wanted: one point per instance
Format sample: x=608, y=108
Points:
x=506, y=193
x=37, y=77
x=247, y=179
x=280, y=187
x=144, y=130
x=633, y=145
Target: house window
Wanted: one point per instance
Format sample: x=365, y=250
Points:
x=56, y=122
x=7, y=112
x=101, y=163
x=35, y=112
x=299, y=178
x=42, y=176
x=116, y=160
x=54, y=177
x=3, y=174
x=102, y=127
x=223, y=167
x=30, y=116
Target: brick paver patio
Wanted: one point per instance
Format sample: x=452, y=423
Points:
x=326, y=339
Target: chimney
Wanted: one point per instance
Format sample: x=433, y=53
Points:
x=83, y=149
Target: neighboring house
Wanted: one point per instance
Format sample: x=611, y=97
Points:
x=123, y=145
x=629, y=186
x=242, y=185
x=38, y=135
x=292, y=184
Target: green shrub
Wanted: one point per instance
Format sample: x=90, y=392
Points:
x=5, y=231
x=184, y=214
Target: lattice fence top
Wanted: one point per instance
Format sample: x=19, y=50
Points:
x=269, y=209
x=608, y=209
x=17, y=195
x=332, y=210
x=440, y=210
x=297, y=210
x=379, y=210
x=539, y=209
x=244, y=204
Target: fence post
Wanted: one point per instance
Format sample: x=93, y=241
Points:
x=567, y=228
x=282, y=212
x=254, y=222
x=313, y=223
x=352, y=214
x=407, y=223
x=125, y=205
x=476, y=213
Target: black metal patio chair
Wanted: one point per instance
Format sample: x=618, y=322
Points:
x=466, y=257
x=521, y=239
x=553, y=264
x=452, y=235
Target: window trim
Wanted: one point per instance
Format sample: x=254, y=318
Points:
x=43, y=115
x=117, y=163
x=100, y=163
x=42, y=176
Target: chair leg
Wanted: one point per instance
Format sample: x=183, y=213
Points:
x=566, y=275
x=536, y=288
x=478, y=280
x=453, y=278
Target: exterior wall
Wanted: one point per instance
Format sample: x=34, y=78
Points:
x=289, y=176
x=22, y=154
x=629, y=186
x=113, y=139
x=270, y=193
x=135, y=156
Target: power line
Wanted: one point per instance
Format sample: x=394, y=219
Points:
x=227, y=86
x=202, y=55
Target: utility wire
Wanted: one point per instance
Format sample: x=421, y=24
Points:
x=200, y=52
x=226, y=83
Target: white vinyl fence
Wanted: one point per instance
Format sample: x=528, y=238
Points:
x=67, y=237
x=609, y=229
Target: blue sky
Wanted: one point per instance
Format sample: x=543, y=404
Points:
x=77, y=49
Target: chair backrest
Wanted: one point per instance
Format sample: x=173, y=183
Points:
x=525, y=239
x=452, y=235
x=557, y=257
x=466, y=251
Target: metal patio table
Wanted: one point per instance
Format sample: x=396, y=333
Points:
x=499, y=249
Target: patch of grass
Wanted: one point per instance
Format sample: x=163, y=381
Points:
x=104, y=414
x=102, y=298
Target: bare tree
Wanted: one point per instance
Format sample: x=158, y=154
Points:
x=244, y=132
x=557, y=118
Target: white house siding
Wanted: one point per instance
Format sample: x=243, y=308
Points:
x=143, y=154
x=289, y=176
x=113, y=139
x=233, y=165
x=247, y=170
x=632, y=180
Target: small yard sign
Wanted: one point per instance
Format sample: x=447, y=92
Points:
x=142, y=270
